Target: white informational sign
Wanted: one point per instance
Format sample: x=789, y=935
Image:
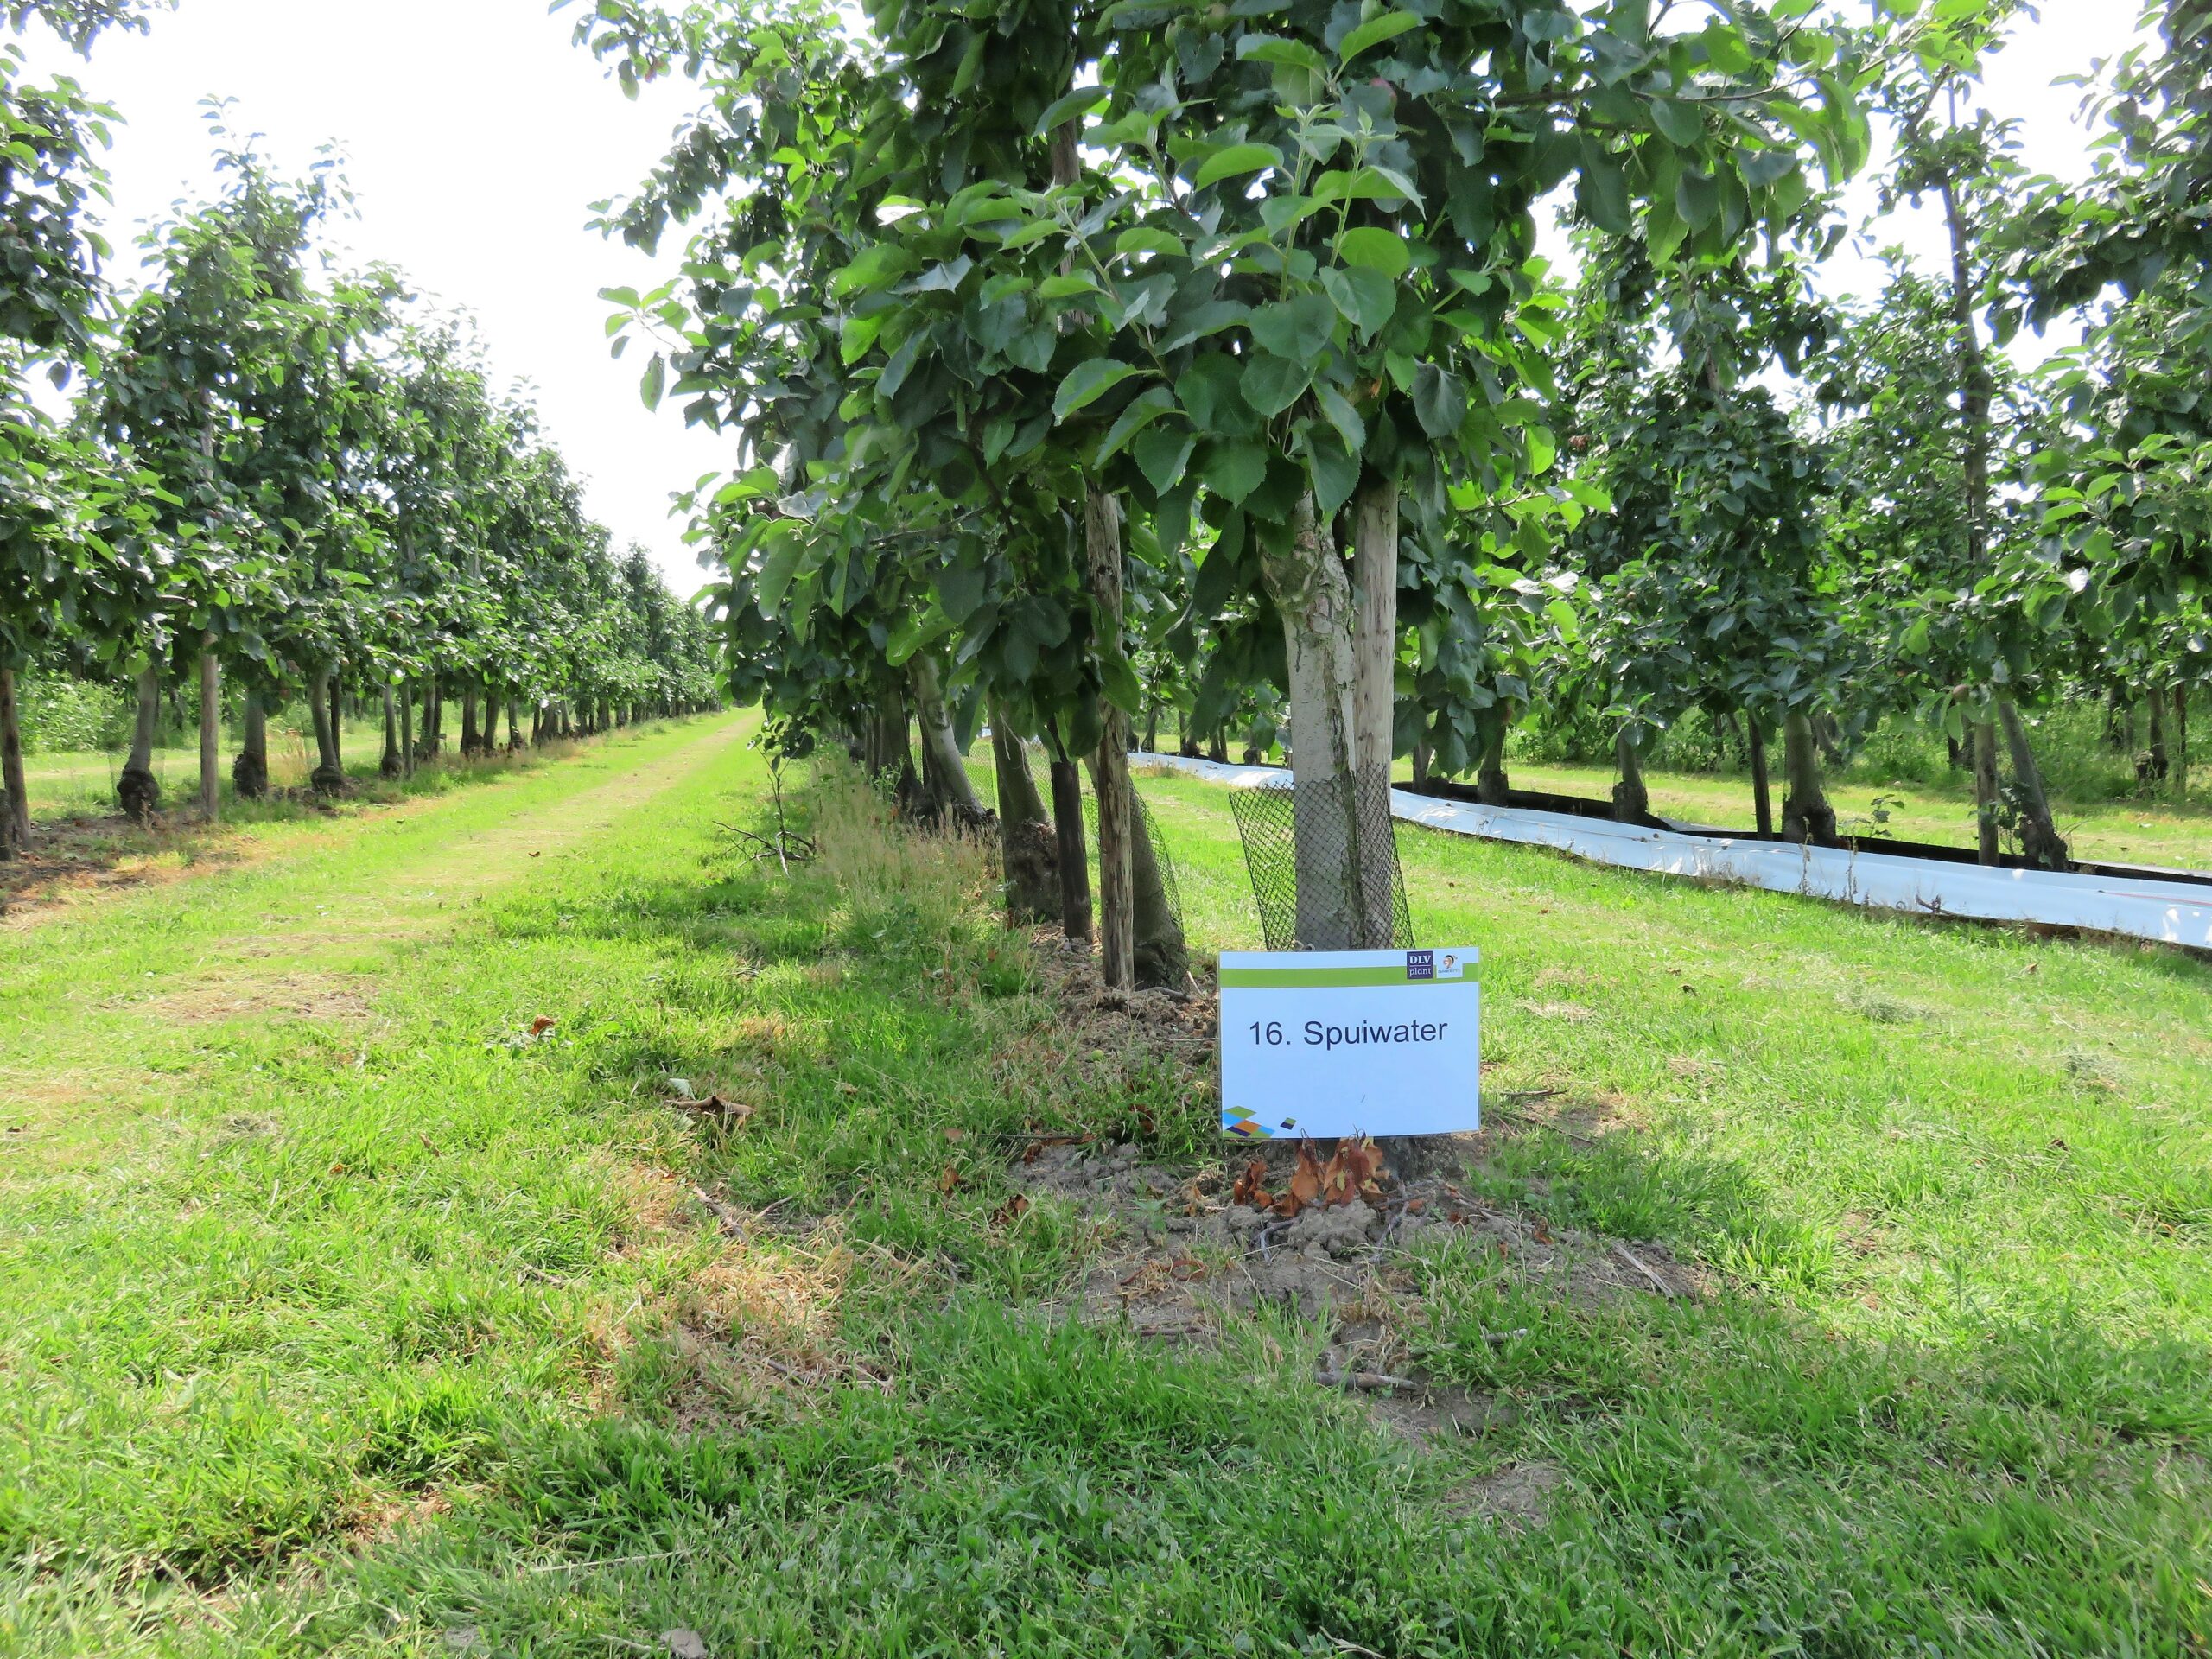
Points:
x=1331, y=1043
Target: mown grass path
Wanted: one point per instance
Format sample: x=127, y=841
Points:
x=347, y=1314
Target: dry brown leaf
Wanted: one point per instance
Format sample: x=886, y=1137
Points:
x=1011, y=1211
x=1306, y=1179
x=1251, y=1186
x=956, y=1135
x=540, y=1026
x=949, y=1180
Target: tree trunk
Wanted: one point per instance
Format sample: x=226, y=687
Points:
x=1631, y=801
x=514, y=727
x=1988, y=806
x=1217, y=747
x=1307, y=583
x=390, y=766
x=138, y=790
x=1421, y=759
x=249, y=770
x=1374, y=703
x=1025, y=850
x=1073, y=856
x=2181, y=741
x=1163, y=956
x=2156, y=769
x=2040, y=842
x=328, y=777
x=890, y=752
x=470, y=739
x=338, y=718
x=407, y=729
x=15, y=794
x=432, y=718
x=1762, y=788
x=1492, y=786
x=1102, y=539
x=1806, y=817
x=2120, y=724
x=211, y=732
x=1151, y=726
x=952, y=792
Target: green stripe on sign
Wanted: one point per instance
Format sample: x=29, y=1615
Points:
x=1271, y=978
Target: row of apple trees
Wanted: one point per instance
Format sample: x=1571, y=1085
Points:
x=283, y=476
x=1085, y=357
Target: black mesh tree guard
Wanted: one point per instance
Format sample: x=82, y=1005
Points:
x=1170, y=887
x=1267, y=823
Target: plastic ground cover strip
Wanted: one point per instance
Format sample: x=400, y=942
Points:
x=2144, y=907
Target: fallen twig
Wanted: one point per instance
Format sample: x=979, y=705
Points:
x=1375, y=1381
x=618, y=1560
x=1643, y=1267
x=732, y=1222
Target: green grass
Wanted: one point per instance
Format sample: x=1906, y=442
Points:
x=347, y=1318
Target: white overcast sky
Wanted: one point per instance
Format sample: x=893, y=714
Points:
x=476, y=134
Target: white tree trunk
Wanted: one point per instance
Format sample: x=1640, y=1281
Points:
x=1310, y=590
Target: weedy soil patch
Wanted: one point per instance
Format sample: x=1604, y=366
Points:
x=655, y=1252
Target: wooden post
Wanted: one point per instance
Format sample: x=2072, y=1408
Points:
x=1102, y=530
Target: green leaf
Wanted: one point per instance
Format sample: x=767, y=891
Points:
x=1087, y=383
x=1602, y=191
x=1067, y=285
x=901, y=364
x=1270, y=48
x=1146, y=238
x=877, y=267
x=1145, y=408
x=1373, y=32
x=1334, y=469
x=1367, y=298
x=655, y=381
x=1697, y=198
x=1236, y=161
x=776, y=570
x=1341, y=415
x=1297, y=328
x=1440, y=400
x=1272, y=384
x=1365, y=184
x=1208, y=319
x=1233, y=471
x=1162, y=451
x=1681, y=123
x=857, y=335
x=1208, y=392
x=1374, y=248
x=1543, y=449
x=1078, y=103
